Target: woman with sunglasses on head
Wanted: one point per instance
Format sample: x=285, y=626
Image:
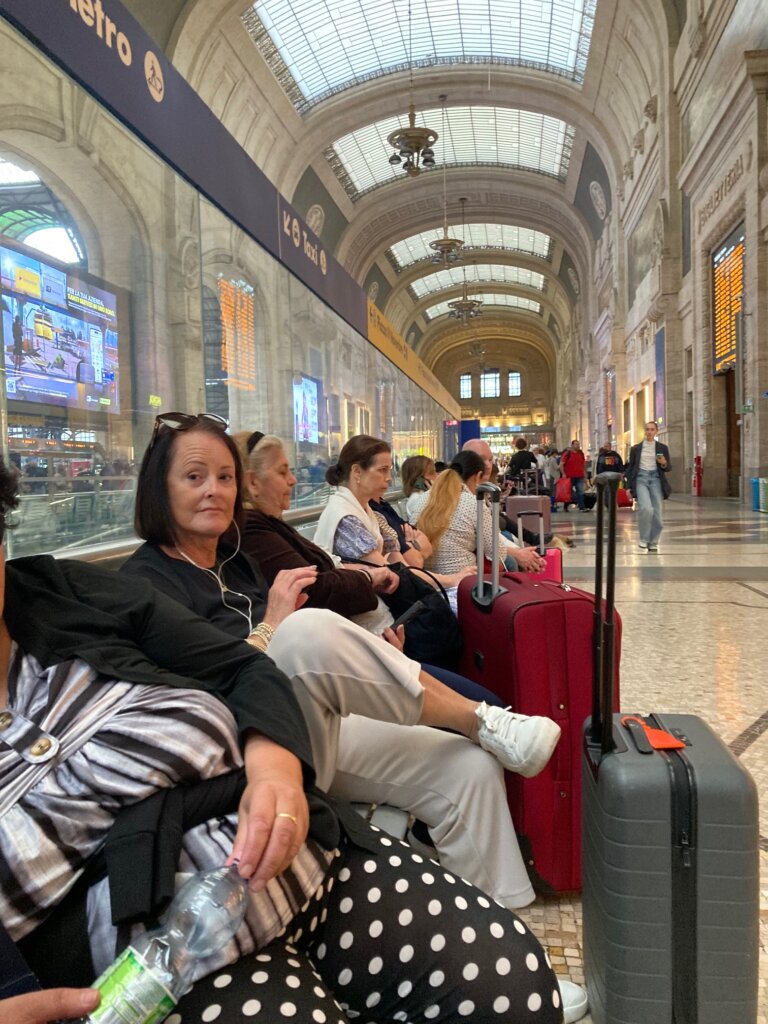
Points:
x=128, y=697
x=443, y=793
x=188, y=495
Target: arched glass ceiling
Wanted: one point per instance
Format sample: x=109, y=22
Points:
x=31, y=213
x=494, y=136
x=320, y=47
x=450, y=277
x=476, y=236
x=488, y=299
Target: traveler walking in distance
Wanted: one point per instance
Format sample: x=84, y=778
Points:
x=647, y=480
x=573, y=465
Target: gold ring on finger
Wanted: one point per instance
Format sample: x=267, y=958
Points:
x=285, y=814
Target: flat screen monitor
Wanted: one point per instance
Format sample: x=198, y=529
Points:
x=60, y=329
x=305, y=418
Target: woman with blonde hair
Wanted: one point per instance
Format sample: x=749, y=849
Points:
x=448, y=516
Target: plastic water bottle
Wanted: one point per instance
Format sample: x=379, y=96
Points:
x=149, y=977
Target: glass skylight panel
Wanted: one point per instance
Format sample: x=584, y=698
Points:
x=476, y=273
x=501, y=136
x=326, y=46
x=54, y=241
x=488, y=299
x=476, y=236
x=10, y=174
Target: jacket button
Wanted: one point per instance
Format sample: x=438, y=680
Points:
x=40, y=747
x=5, y=719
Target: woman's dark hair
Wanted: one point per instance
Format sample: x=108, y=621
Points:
x=360, y=450
x=152, y=518
x=468, y=464
x=9, y=496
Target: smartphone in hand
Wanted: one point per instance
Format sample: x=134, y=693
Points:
x=408, y=614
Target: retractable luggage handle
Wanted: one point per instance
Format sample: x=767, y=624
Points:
x=521, y=539
x=603, y=635
x=485, y=593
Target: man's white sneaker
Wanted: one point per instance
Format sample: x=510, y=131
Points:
x=522, y=744
x=575, y=1003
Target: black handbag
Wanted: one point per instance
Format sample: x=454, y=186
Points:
x=434, y=636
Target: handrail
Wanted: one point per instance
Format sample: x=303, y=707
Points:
x=120, y=550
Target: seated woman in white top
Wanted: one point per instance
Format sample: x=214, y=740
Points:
x=448, y=516
x=348, y=526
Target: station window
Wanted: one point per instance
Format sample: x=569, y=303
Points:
x=490, y=384
x=465, y=385
x=515, y=384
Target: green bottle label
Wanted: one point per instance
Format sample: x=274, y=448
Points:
x=131, y=993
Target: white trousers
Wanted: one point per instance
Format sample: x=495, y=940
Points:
x=361, y=698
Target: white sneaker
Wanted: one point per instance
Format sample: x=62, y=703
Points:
x=523, y=745
x=575, y=1003
x=643, y=547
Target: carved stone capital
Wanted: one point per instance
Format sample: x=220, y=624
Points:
x=651, y=109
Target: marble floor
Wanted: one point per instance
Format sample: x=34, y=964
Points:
x=695, y=621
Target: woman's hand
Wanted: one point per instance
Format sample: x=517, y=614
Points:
x=419, y=539
x=455, y=578
x=49, y=1005
x=384, y=580
x=273, y=818
x=286, y=594
x=528, y=559
x=396, y=637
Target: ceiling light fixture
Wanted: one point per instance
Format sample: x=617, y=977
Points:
x=412, y=144
x=446, y=250
x=464, y=308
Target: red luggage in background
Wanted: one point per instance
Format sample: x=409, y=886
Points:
x=564, y=490
x=623, y=498
x=530, y=641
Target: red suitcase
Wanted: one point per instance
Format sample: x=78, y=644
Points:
x=530, y=641
x=553, y=557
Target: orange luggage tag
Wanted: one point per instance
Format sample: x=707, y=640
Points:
x=657, y=738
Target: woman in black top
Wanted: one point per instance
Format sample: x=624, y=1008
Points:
x=189, y=490
x=380, y=961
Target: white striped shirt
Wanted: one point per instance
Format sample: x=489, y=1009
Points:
x=117, y=744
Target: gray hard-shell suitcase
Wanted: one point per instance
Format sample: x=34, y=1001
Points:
x=670, y=858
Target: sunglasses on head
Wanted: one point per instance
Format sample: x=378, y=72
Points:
x=184, y=421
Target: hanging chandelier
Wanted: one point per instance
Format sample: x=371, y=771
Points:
x=464, y=308
x=447, y=250
x=412, y=144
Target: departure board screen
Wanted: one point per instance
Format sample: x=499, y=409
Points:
x=238, y=345
x=727, y=298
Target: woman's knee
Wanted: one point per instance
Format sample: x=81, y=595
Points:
x=315, y=630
